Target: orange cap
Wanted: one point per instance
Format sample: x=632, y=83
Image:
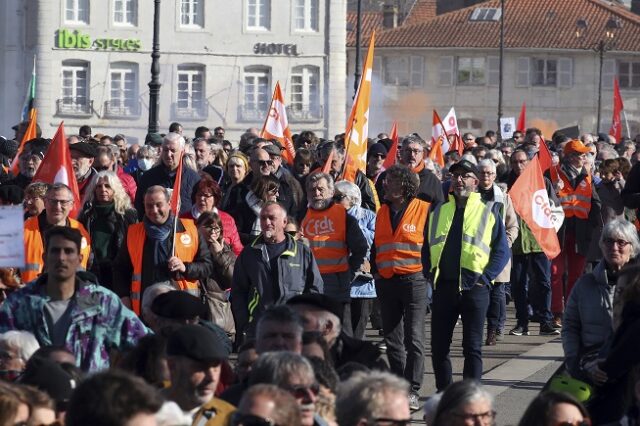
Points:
x=575, y=146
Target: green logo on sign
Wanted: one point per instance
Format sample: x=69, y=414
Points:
x=74, y=39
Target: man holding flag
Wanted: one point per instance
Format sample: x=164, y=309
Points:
x=158, y=249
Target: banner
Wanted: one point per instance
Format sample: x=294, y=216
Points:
x=507, y=127
x=12, y=237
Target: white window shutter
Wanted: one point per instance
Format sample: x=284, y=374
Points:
x=523, y=72
x=565, y=72
x=494, y=70
x=609, y=71
x=445, y=71
x=417, y=71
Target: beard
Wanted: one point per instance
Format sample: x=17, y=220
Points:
x=320, y=204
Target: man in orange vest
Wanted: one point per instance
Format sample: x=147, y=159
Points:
x=336, y=241
x=400, y=283
x=58, y=203
x=577, y=193
x=149, y=256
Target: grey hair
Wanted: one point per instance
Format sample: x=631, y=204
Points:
x=174, y=137
x=414, y=138
x=158, y=188
x=363, y=396
x=496, y=155
x=23, y=342
x=324, y=317
x=470, y=158
x=315, y=177
x=147, y=150
x=459, y=394
x=121, y=200
x=351, y=190
x=277, y=367
x=488, y=164
x=149, y=295
x=620, y=228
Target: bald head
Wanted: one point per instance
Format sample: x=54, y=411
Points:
x=260, y=163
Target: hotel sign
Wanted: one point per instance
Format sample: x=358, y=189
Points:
x=275, y=49
x=74, y=39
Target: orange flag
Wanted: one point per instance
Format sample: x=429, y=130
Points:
x=28, y=135
x=546, y=162
x=531, y=202
x=175, y=194
x=616, y=124
x=358, y=123
x=393, y=151
x=56, y=168
x=276, y=125
x=521, y=127
x=436, y=153
x=327, y=165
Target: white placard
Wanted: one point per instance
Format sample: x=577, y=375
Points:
x=12, y=237
x=507, y=127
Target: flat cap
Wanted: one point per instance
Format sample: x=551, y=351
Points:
x=198, y=343
x=464, y=166
x=178, y=305
x=84, y=149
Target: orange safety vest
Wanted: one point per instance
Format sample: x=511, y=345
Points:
x=576, y=202
x=34, y=248
x=327, y=234
x=186, y=250
x=399, y=252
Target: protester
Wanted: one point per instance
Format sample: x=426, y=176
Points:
x=82, y=158
x=266, y=404
x=291, y=194
x=106, y=215
x=16, y=347
x=465, y=402
x=264, y=189
x=34, y=199
x=237, y=170
x=107, y=160
x=28, y=162
x=60, y=299
x=554, y=408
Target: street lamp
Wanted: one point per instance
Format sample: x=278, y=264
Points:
x=154, y=84
x=605, y=44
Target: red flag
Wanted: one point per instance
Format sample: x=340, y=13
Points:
x=276, y=125
x=531, y=202
x=616, y=124
x=521, y=127
x=56, y=168
x=393, y=151
x=358, y=123
x=175, y=194
x=28, y=135
x=327, y=165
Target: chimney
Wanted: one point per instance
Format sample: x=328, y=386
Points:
x=389, y=16
x=635, y=6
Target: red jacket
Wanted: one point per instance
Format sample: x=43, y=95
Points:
x=229, y=230
x=128, y=183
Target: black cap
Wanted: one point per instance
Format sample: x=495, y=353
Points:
x=198, y=343
x=153, y=139
x=178, y=305
x=272, y=150
x=83, y=148
x=319, y=301
x=49, y=377
x=8, y=147
x=464, y=166
x=377, y=148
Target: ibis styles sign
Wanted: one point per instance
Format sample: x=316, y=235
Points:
x=74, y=39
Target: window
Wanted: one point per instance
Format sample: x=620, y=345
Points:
x=305, y=93
x=486, y=14
x=256, y=93
x=123, y=90
x=629, y=74
x=76, y=12
x=259, y=14
x=544, y=72
x=471, y=71
x=125, y=12
x=192, y=13
x=190, y=96
x=75, y=88
x=396, y=71
x=305, y=15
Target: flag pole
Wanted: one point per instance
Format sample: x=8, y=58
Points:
x=626, y=123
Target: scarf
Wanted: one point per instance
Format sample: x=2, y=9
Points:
x=159, y=235
x=255, y=204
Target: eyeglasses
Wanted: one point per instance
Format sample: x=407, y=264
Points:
x=212, y=228
x=611, y=242
x=455, y=177
x=481, y=417
x=379, y=156
x=200, y=195
x=61, y=202
x=488, y=173
x=302, y=392
x=238, y=419
x=265, y=162
x=339, y=197
x=392, y=422
x=412, y=151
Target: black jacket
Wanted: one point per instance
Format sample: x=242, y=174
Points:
x=349, y=349
x=430, y=189
x=159, y=175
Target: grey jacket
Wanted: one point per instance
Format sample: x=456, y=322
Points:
x=253, y=282
x=587, y=321
x=511, y=227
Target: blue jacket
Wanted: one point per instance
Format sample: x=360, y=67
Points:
x=99, y=321
x=362, y=287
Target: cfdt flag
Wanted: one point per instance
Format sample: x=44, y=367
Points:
x=31, y=133
x=276, y=126
x=358, y=123
x=56, y=167
x=531, y=202
x=393, y=151
x=616, y=124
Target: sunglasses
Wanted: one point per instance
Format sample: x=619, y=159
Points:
x=265, y=162
x=392, y=422
x=302, y=392
x=239, y=419
x=339, y=197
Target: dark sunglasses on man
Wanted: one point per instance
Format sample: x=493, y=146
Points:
x=239, y=419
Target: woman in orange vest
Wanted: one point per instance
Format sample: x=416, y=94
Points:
x=400, y=284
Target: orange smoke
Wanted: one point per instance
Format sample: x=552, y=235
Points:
x=546, y=126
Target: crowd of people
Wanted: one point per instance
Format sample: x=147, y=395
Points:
x=249, y=303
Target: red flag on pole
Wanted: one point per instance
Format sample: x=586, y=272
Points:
x=28, y=135
x=616, y=124
x=175, y=194
x=522, y=118
x=531, y=202
x=546, y=162
x=276, y=125
x=393, y=151
x=56, y=168
x=327, y=165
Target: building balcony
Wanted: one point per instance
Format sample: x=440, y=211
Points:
x=251, y=113
x=191, y=113
x=74, y=107
x=305, y=114
x=122, y=110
